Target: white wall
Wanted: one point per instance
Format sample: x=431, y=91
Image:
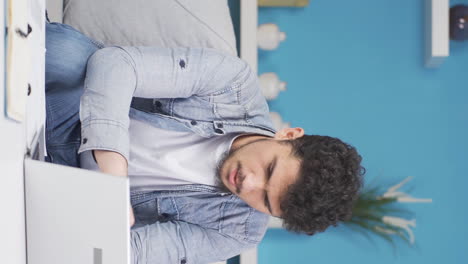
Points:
x=12, y=144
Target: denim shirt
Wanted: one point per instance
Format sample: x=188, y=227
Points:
x=199, y=90
x=193, y=224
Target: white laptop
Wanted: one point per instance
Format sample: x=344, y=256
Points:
x=75, y=215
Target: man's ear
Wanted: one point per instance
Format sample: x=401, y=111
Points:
x=289, y=133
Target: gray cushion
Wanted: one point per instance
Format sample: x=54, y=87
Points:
x=167, y=23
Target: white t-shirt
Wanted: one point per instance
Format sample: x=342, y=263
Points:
x=161, y=158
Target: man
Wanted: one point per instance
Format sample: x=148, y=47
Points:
x=191, y=130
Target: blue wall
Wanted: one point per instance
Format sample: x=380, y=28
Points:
x=355, y=71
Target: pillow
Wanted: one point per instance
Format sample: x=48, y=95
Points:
x=166, y=23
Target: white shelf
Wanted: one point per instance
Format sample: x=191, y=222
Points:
x=437, y=32
x=248, y=32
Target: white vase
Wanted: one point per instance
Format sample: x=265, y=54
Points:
x=278, y=121
x=269, y=36
x=271, y=85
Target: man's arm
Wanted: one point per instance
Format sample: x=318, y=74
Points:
x=116, y=74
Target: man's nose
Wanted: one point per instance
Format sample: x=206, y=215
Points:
x=252, y=183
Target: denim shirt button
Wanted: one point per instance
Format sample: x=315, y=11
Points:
x=85, y=140
x=219, y=125
x=193, y=122
x=219, y=131
x=183, y=261
x=158, y=104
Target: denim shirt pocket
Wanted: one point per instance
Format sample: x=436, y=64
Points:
x=203, y=210
x=228, y=112
x=243, y=222
x=227, y=105
x=228, y=215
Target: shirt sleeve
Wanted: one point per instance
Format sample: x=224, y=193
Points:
x=116, y=74
x=181, y=242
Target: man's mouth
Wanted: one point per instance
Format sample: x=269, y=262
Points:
x=233, y=176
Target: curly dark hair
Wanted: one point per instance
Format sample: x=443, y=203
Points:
x=330, y=179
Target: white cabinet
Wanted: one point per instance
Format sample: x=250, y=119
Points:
x=13, y=141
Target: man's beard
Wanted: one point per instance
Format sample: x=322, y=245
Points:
x=219, y=182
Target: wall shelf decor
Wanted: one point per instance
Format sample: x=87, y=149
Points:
x=437, y=32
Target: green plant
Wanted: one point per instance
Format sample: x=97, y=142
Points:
x=381, y=214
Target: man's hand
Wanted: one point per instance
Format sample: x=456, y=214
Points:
x=113, y=163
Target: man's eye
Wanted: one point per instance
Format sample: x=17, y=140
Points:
x=271, y=167
x=270, y=170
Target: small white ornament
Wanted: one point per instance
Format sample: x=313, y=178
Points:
x=271, y=85
x=269, y=36
x=278, y=121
